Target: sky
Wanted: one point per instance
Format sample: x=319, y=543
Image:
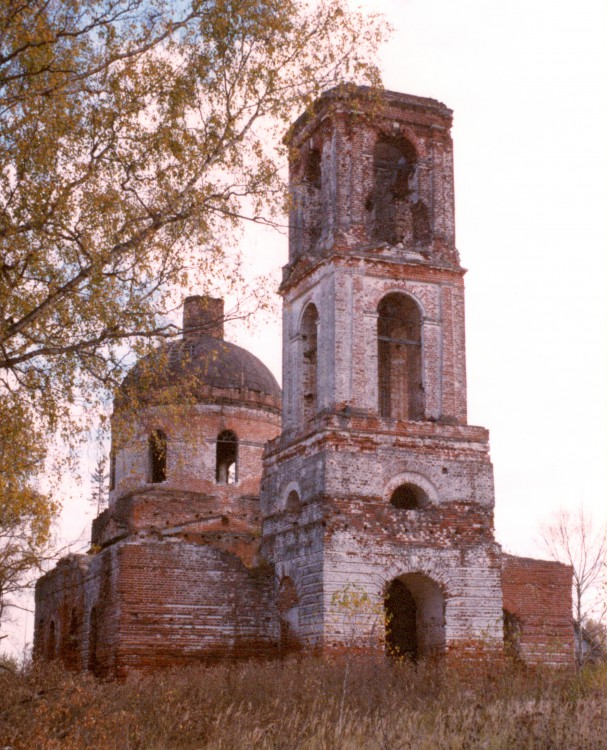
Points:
x=527, y=82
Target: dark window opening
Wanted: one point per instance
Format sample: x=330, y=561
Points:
x=394, y=188
x=309, y=337
x=227, y=458
x=158, y=456
x=312, y=173
x=399, y=343
x=308, y=210
x=408, y=497
x=292, y=502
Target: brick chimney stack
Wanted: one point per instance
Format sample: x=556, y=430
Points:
x=202, y=316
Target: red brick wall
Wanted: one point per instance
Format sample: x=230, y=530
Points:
x=184, y=602
x=538, y=594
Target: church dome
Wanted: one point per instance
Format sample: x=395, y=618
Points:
x=200, y=367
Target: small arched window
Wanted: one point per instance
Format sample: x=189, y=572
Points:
x=157, y=448
x=408, y=497
x=226, y=464
x=293, y=503
x=399, y=351
x=309, y=337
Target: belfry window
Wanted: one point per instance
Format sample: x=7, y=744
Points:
x=309, y=339
x=399, y=345
x=157, y=449
x=394, y=173
x=395, y=211
x=226, y=463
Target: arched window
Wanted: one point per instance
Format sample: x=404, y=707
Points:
x=395, y=211
x=313, y=200
x=157, y=447
x=292, y=504
x=394, y=188
x=408, y=497
x=226, y=464
x=399, y=352
x=309, y=339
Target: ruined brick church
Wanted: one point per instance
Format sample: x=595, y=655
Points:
x=239, y=517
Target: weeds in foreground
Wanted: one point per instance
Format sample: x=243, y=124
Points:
x=301, y=704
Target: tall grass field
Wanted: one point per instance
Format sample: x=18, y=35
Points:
x=309, y=704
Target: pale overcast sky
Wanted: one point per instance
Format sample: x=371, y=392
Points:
x=526, y=80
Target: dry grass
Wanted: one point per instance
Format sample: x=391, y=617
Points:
x=308, y=704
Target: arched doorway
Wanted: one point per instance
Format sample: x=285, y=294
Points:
x=414, y=607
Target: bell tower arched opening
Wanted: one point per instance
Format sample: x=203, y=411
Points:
x=309, y=338
x=394, y=182
x=399, y=351
x=414, y=607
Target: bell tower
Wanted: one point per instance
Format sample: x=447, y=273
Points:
x=377, y=481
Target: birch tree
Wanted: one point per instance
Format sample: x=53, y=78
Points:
x=575, y=539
